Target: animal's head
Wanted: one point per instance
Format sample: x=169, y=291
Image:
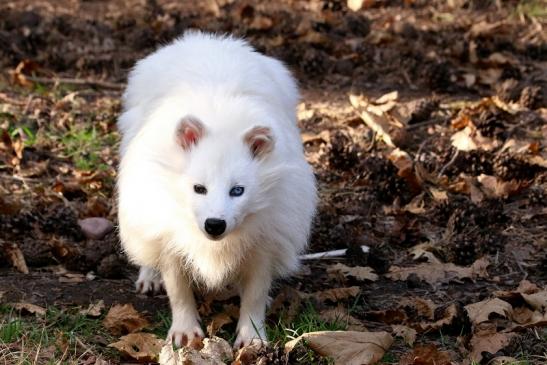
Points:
x=223, y=177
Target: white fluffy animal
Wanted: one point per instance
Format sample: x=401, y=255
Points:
x=213, y=185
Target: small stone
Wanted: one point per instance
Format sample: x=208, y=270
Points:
x=95, y=228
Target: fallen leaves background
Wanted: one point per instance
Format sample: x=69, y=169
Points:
x=425, y=124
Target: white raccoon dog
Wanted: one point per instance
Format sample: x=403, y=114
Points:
x=213, y=185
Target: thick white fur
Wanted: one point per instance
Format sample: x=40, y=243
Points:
x=230, y=88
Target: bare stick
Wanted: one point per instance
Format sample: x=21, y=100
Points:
x=63, y=80
x=328, y=254
x=450, y=163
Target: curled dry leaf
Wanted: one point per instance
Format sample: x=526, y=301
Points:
x=423, y=307
x=406, y=333
x=481, y=311
x=434, y=273
x=488, y=340
x=94, y=309
x=405, y=167
x=29, y=308
x=450, y=313
x=341, y=315
x=358, y=272
x=139, y=346
x=334, y=295
x=217, y=322
x=384, y=116
x=425, y=355
x=215, y=351
x=347, y=347
x=248, y=354
x=15, y=256
x=537, y=300
x=497, y=188
x=470, y=138
x=124, y=318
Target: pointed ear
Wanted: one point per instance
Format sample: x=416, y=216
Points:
x=260, y=141
x=189, y=132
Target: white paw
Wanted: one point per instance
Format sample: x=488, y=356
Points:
x=149, y=281
x=186, y=335
x=248, y=335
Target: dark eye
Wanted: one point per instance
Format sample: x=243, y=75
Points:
x=237, y=191
x=200, y=189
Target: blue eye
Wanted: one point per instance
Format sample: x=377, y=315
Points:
x=200, y=189
x=237, y=191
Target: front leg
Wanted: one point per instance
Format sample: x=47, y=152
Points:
x=255, y=284
x=185, y=327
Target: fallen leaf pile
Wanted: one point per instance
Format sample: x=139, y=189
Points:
x=496, y=321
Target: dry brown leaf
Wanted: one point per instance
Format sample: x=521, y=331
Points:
x=470, y=138
x=406, y=333
x=347, y=347
x=497, y=188
x=433, y=273
x=525, y=318
x=358, y=272
x=139, y=346
x=29, y=308
x=341, y=315
x=215, y=351
x=537, y=300
x=15, y=256
x=484, y=28
x=94, y=309
x=450, y=313
x=335, y=294
x=124, y=318
x=288, y=301
x=423, y=307
x=438, y=195
x=504, y=360
x=217, y=348
x=425, y=355
x=405, y=167
x=480, y=312
x=424, y=251
x=384, y=116
x=488, y=341
x=217, y=322
x=71, y=277
x=248, y=354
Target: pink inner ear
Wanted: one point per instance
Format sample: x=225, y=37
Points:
x=190, y=136
x=260, y=141
x=257, y=146
x=190, y=132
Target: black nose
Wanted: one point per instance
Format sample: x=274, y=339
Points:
x=215, y=227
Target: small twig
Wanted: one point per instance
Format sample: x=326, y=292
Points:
x=329, y=254
x=420, y=149
x=520, y=266
x=64, y=80
x=422, y=124
x=450, y=163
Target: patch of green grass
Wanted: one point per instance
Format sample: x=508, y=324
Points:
x=27, y=135
x=162, y=322
x=308, y=320
x=84, y=146
x=59, y=334
x=532, y=8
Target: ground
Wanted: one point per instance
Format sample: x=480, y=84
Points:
x=425, y=122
